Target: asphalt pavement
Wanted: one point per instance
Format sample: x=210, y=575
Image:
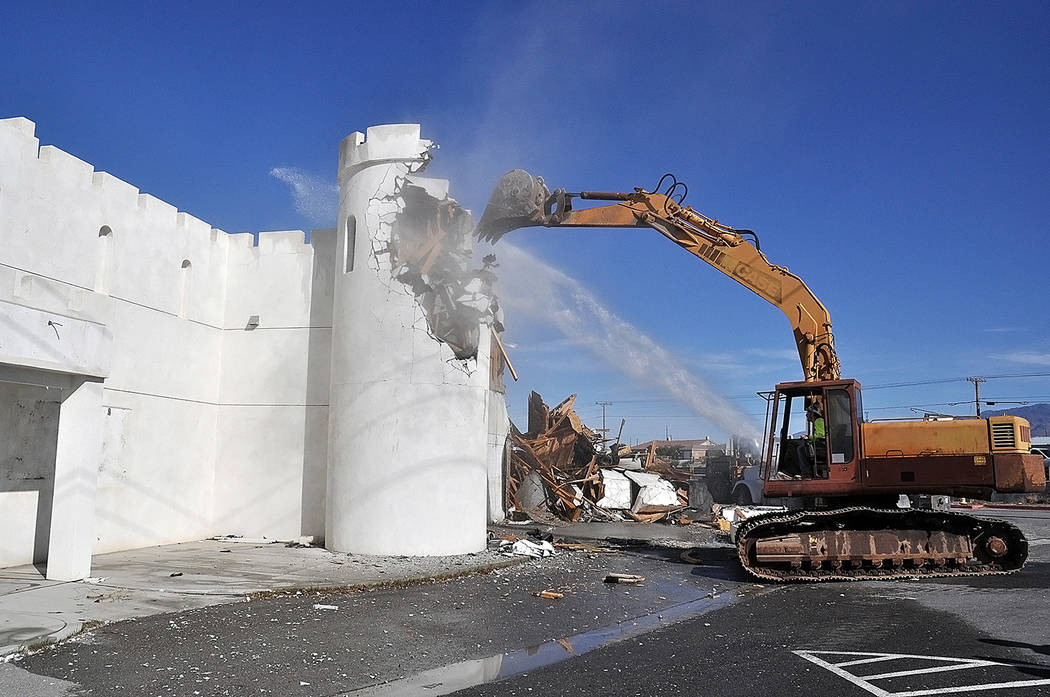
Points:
x=904, y=638
x=690, y=630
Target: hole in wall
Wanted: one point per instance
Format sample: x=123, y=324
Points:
x=431, y=253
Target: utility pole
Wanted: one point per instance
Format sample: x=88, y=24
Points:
x=603, y=405
x=977, y=392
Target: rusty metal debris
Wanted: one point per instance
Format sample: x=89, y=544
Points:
x=555, y=470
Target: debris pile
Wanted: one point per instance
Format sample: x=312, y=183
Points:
x=557, y=468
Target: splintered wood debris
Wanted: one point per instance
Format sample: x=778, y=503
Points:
x=431, y=252
x=555, y=468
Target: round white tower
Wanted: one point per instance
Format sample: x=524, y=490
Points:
x=407, y=419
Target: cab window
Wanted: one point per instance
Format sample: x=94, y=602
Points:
x=840, y=427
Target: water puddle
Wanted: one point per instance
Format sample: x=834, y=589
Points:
x=459, y=676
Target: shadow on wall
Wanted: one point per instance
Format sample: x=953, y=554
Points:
x=271, y=477
x=318, y=371
x=28, y=444
x=398, y=475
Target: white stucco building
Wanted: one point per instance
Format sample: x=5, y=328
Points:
x=164, y=381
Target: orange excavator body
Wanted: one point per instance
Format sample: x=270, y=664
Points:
x=851, y=471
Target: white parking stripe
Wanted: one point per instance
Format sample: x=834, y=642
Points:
x=808, y=655
x=876, y=657
x=936, y=669
x=859, y=661
x=948, y=663
x=972, y=688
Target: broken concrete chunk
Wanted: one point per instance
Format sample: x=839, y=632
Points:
x=532, y=492
x=527, y=548
x=643, y=478
x=655, y=494
x=732, y=516
x=617, y=490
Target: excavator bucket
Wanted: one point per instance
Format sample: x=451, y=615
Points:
x=518, y=200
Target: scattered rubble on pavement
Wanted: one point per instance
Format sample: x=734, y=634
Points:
x=624, y=578
x=550, y=595
x=527, y=548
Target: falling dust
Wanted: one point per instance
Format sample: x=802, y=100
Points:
x=536, y=289
x=316, y=198
x=532, y=287
x=431, y=252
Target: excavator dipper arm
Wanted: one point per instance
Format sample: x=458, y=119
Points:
x=521, y=200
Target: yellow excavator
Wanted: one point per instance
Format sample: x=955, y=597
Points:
x=839, y=477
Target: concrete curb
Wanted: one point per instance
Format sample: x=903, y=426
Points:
x=381, y=585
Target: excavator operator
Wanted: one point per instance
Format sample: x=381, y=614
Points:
x=818, y=441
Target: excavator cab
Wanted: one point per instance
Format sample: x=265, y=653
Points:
x=813, y=439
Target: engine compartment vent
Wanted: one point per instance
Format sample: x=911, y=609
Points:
x=1003, y=435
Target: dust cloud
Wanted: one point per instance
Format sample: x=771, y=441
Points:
x=316, y=198
x=535, y=289
x=532, y=287
x=431, y=253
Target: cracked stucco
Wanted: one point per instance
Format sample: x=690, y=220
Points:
x=451, y=298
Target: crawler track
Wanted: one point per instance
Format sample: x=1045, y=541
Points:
x=854, y=544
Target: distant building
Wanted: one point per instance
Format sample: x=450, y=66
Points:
x=693, y=450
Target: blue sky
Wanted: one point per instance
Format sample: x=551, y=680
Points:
x=894, y=155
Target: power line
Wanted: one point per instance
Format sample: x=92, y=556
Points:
x=885, y=386
x=939, y=381
x=866, y=408
x=1018, y=375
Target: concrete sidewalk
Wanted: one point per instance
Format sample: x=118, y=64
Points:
x=126, y=585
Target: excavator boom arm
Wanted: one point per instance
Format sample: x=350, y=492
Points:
x=521, y=200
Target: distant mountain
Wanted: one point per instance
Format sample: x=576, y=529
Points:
x=1037, y=414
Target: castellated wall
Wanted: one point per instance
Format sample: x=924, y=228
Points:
x=273, y=420
x=212, y=355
